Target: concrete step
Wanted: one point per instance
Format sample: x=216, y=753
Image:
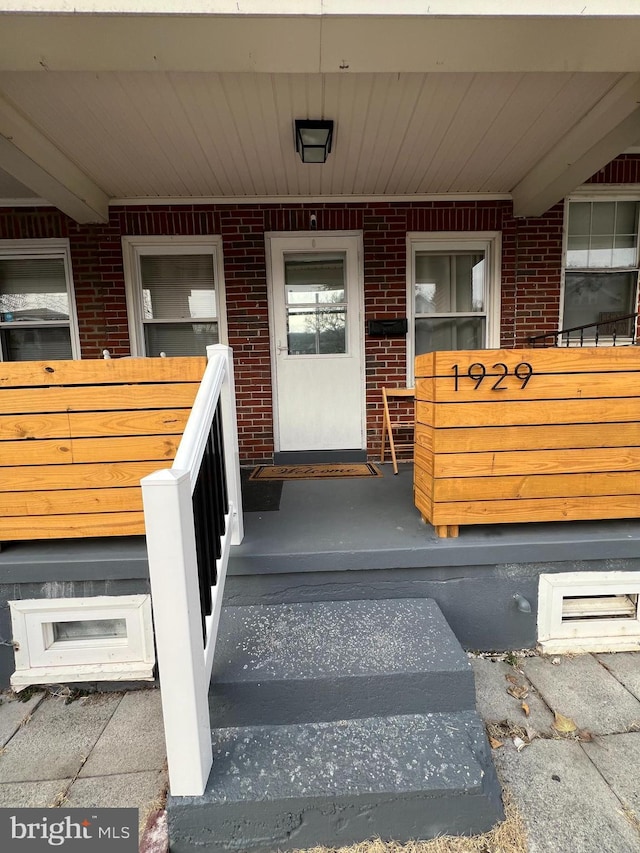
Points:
x=292, y=663
x=336, y=783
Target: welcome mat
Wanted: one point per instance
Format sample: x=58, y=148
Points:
x=316, y=471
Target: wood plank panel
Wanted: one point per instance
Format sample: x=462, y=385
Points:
x=426, y=484
x=531, y=412
x=91, y=475
x=30, y=427
x=94, y=398
x=54, y=452
x=70, y=502
x=92, y=424
x=531, y=486
x=101, y=371
x=424, y=503
x=72, y=526
x=508, y=462
x=542, y=509
x=47, y=452
x=544, y=360
x=540, y=387
x=162, y=448
x=425, y=413
x=475, y=439
x=425, y=437
x=423, y=460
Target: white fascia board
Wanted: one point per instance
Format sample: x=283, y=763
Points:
x=435, y=8
x=314, y=37
x=176, y=201
x=36, y=162
x=610, y=127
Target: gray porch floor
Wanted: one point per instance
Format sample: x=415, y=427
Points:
x=372, y=523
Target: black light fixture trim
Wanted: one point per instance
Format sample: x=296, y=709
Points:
x=313, y=139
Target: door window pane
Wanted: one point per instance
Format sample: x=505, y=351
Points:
x=316, y=304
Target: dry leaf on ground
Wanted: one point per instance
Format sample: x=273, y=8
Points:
x=519, y=691
x=562, y=724
x=525, y=708
x=495, y=744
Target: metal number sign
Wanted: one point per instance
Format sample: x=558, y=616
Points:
x=477, y=372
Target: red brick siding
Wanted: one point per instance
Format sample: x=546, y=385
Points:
x=530, y=297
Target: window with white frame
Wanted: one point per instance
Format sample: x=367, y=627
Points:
x=452, y=292
x=102, y=638
x=37, y=309
x=601, y=266
x=175, y=294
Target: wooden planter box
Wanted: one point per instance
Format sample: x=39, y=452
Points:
x=527, y=435
x=77, y=436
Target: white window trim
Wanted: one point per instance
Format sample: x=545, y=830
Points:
x=49, y=248
x=38, y=661
x=585, y=635
x=134, y=247
x=605, y=193
x=489, y=242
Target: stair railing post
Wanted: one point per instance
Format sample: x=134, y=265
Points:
x=231, y=446
x=173, y=574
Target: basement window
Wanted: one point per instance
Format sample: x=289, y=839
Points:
x=589, y=612
x=106, y=638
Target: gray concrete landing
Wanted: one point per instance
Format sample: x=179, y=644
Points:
x=334, y=660
x=336, y=783
x=337, y=721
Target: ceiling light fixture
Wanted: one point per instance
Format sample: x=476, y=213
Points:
x=313, y=139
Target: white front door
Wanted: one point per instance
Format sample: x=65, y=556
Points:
x=316, y=329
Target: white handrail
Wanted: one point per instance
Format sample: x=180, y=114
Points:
x=184, y=660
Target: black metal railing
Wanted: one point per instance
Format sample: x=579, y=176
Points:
x=210, y=506
x=624, y=327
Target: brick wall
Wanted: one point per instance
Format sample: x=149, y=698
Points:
x=531, y=277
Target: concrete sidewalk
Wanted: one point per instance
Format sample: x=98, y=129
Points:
x=100, y=750
x=578, y=792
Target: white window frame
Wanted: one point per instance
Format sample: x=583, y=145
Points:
x=134, y=247
x=488, y=242
x=47, y=248
x=556, y=635
x=589, y=194
x=41, y=660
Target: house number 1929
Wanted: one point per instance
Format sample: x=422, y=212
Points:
x=477, y=372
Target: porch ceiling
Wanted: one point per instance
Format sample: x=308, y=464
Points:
x=119, y=109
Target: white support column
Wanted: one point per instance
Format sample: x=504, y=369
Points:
x=175, y=597
x=231, y=448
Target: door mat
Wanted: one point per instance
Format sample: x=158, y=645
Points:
x=259, y=495
x=316, y=471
